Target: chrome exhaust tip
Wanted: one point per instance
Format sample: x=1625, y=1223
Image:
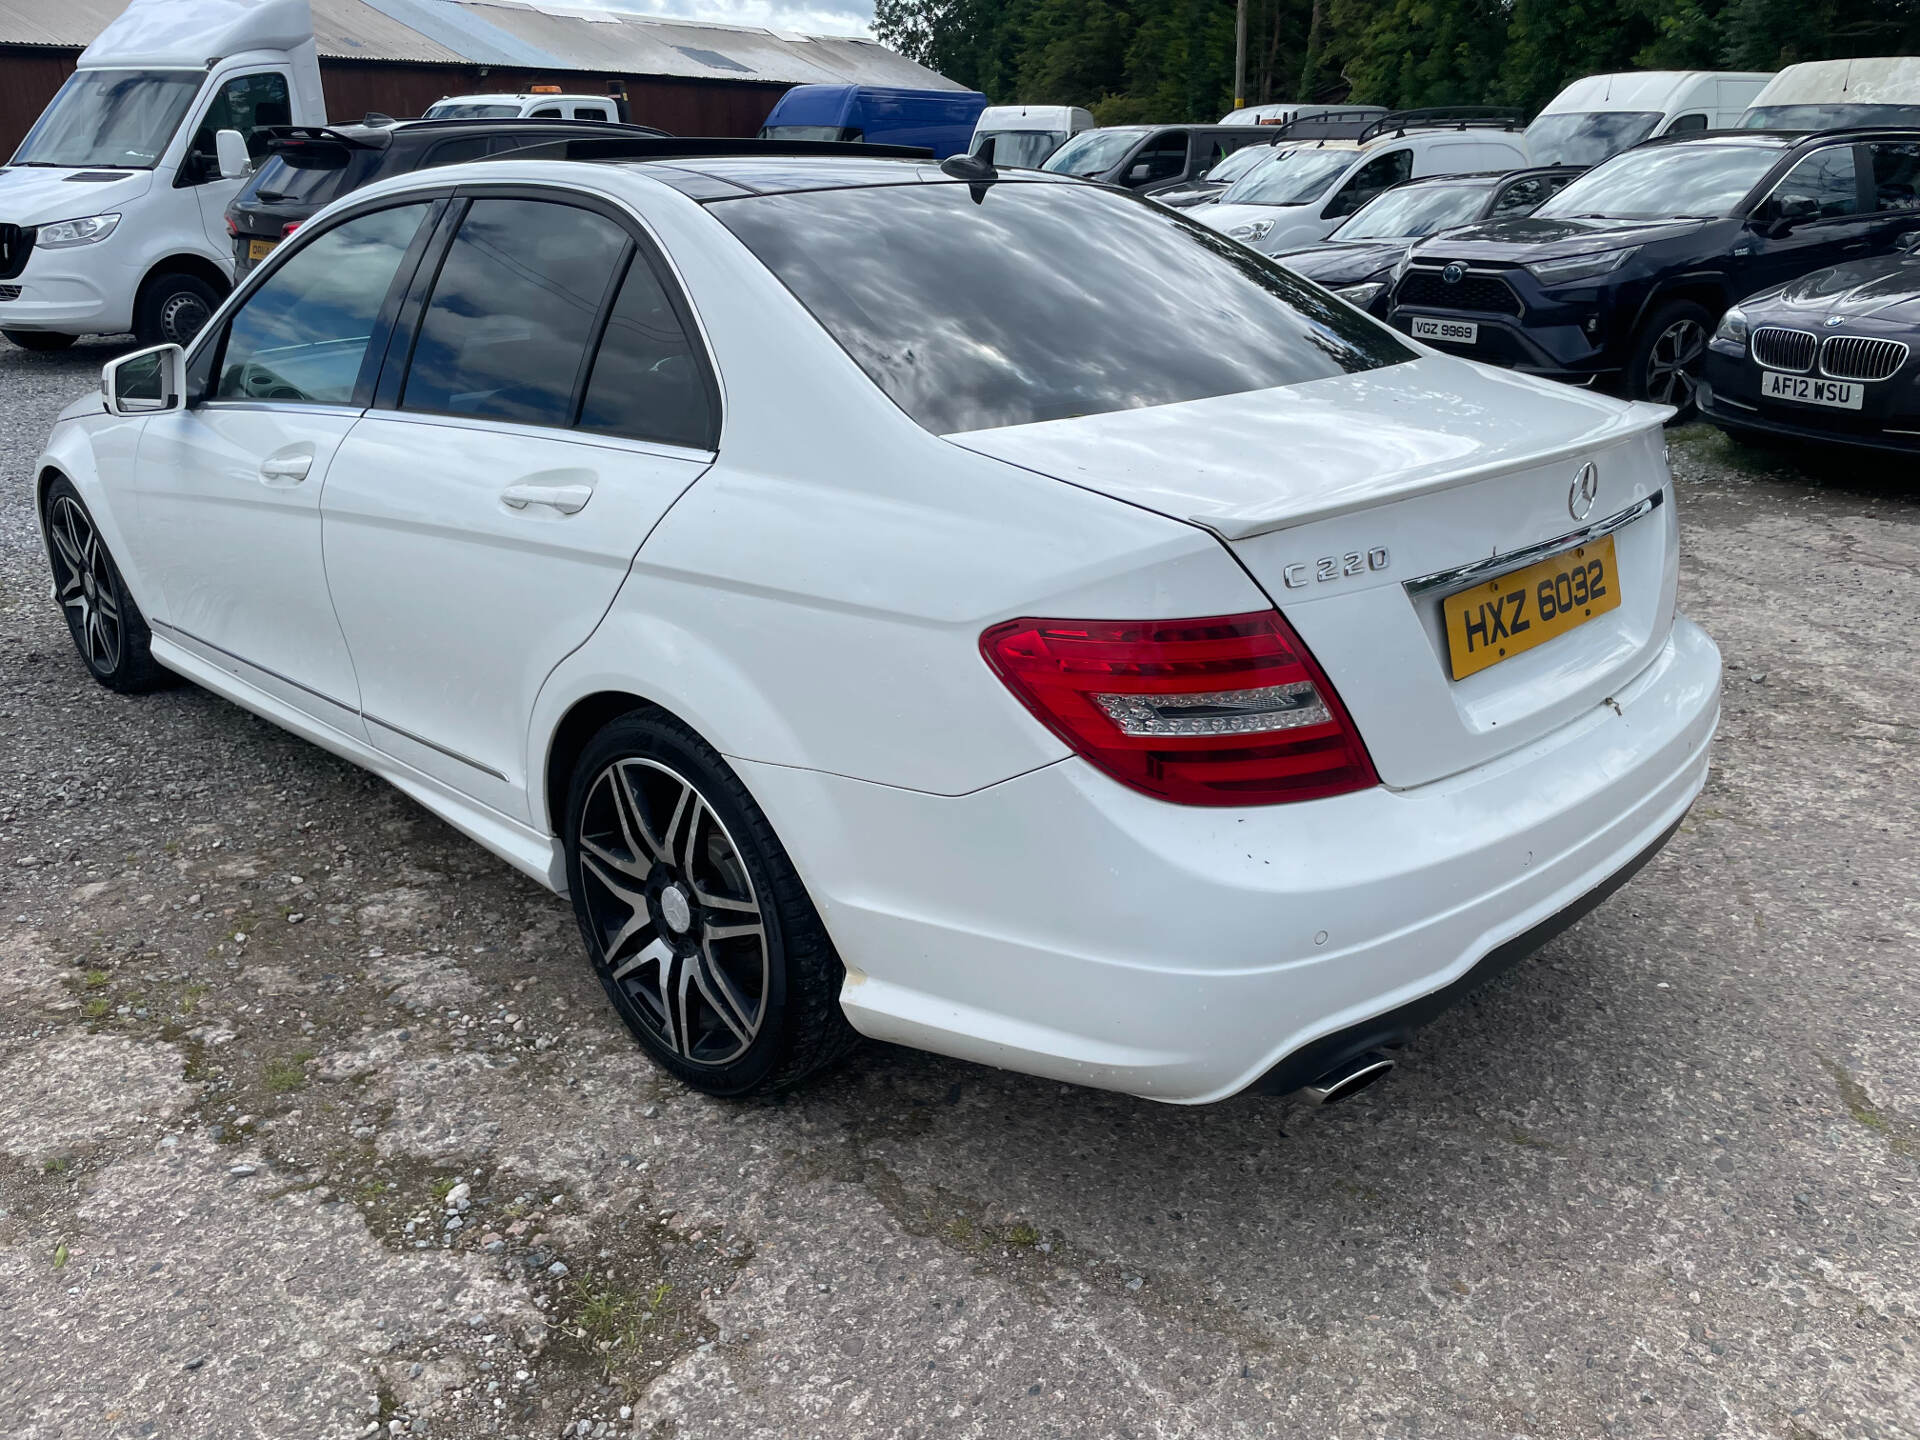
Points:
x=1347, y=1079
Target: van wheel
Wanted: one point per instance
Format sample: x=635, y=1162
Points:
x=107, y=627
x=39, y=339
x=173, y=308
x=1665, y=364
x=697, y=925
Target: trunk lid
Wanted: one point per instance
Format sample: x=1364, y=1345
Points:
x=1416, y=470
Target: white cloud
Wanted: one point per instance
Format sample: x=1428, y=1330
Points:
x=811, y=17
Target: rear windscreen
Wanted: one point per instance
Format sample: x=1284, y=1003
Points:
x=975, y=307
x=308, y=187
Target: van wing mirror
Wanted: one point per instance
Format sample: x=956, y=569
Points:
x=147, y=382
x=231, y=147
x=1139, y=174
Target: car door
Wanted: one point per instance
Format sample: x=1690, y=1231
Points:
x=227, y=491
x=1817, y=215
x=245, y=103
x=480, y=518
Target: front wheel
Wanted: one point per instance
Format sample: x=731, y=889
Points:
x=1665, y=364
x=45, y=340
x=107, y=627
x=698, y=927
x=173, y=308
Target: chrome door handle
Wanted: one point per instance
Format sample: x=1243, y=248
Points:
x=290, y=468
x=567, y=499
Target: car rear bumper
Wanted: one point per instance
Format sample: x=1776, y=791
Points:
x=1062, y=925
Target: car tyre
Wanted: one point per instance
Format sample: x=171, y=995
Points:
x=1664, y=366
x=173, y=308
x=700, y=931
x=108, y=629
x=44, y=340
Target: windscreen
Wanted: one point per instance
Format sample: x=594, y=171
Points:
x=472, y=110
x=110, y=117
x=1296, y=177
x=1414, y=210
x=1586, y=137
x=1238, y=163
x=806, y=132
x=1092, y=152
x=1827, y=117
x=1019, y=149
x=1042, y=301
x=1703, y=181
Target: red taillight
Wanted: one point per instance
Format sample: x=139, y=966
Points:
x=232, y=229
x=1227, y=710
x=288, y=228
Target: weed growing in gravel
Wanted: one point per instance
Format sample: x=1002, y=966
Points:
x=96, y=1007
x=56, y=1165
x=95, y=979
x=611, y=1315
x=286, y=1074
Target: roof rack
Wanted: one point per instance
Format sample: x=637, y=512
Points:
x=680, y=147
x=1445, y=117
x=1326, y=124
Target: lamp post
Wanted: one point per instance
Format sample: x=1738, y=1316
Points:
x=1240, y=55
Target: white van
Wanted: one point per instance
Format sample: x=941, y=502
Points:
x=1829, y=94
x=1024, y=135
x=1303, y=192
x=1596, y=118
x=113, y=211
x=540, y=102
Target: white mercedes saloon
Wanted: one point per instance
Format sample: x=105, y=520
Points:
x=995, y=615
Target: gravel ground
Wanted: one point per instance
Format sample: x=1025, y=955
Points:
x=313, y=1120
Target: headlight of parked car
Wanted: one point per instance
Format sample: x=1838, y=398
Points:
x=1361, y=295
x=1252, y=230
x=1731, y=337
x=1579, y=267
x=75, y=232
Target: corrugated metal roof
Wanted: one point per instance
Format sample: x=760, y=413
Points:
x=534, y=37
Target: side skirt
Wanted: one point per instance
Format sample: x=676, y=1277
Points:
x=527, y=850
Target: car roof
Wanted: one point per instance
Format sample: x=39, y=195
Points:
x=723, y=177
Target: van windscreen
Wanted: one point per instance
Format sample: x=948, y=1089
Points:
x=1586, y=137
x=110, y=117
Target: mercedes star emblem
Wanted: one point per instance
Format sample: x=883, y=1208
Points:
x=1584, y=491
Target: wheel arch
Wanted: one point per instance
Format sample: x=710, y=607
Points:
x=182, y=262
x=1707, y=291
x=584, y=719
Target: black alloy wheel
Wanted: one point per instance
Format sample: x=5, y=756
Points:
x=107, y=627
x=699, y=929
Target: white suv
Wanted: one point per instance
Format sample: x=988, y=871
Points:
x=548, y=104
x=987, y=614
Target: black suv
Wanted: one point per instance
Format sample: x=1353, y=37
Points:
x=309, y=166
x=1621, y=277
x=1152, y=158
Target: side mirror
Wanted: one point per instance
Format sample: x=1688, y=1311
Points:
x=235, y=163
x=1778, y=217
x=147, y=382
x=1909, y=242
x=1139, y=174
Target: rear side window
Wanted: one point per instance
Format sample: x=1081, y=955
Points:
x=456, y=152
x=1040, y=301
x=512, y=312
x=302, y=336
x=647, y=382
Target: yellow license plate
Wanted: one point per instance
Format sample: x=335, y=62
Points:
x=260, y=249
x=1504, y=617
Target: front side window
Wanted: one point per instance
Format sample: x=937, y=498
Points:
x=245, y=103
x=1896, y=175
x=303, y=334
x=512, y=312
x=1587, y=137
x=110, y=117
x=1823, y=186
x=1415, y=210
x=1376, y=177
x=1699, y=179
x=1040, y=302
x=1165, y=159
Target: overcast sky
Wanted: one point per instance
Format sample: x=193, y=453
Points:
x=814, y=17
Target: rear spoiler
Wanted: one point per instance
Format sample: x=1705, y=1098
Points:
x=316, y=147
